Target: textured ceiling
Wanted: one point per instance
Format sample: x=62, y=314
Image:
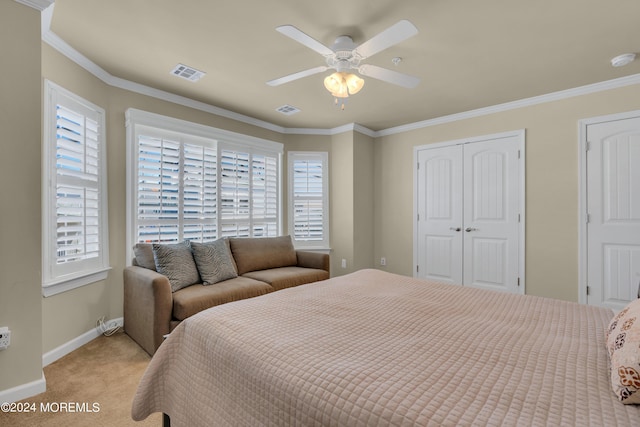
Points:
x=468, y=54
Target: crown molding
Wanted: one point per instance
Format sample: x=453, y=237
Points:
x=37, y=4
x=527, y=102
x=48, y=36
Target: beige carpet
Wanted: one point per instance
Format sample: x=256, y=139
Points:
x=105, y=372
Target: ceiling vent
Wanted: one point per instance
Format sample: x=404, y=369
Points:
x=288, y=110
x=187, y=73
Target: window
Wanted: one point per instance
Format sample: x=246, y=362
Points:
x=309, y=199
x=75, y=233
x=193, y=182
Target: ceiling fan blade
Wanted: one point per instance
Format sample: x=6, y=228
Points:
x=298, y=75
x=396, y=33
x=389, y=76
x=302, y=38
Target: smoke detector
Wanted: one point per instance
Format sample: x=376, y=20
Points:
x=622, y=60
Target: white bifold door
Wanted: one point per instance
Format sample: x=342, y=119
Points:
x=469, y=217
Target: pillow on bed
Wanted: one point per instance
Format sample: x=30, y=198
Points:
x=623, y=344
x=176, y=262
x=214, y=261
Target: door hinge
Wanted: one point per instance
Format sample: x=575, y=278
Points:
x=418, y=166
x=518, y=153
x=518, y=282
x=518, y=217
x=588, y=290
x=588, y=218
x=417, y=269
x=587, y=146
x=418, y=217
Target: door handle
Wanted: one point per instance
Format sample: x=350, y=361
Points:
x=455, y=228
x=468, y=229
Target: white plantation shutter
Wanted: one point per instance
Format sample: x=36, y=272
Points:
x=176, y=190
x=191, y=182
x=200, y=193
x=264, y=195
x=308, y=199
x=74, y=192
x=77, y=176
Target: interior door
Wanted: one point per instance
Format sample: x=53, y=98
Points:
x=491, y=214
x=468, y=197
x=440, y=214
x=613, y=207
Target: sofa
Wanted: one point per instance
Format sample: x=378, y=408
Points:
x=168, y=283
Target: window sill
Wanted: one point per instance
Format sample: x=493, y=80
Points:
x=68, y=283
x=320, y=249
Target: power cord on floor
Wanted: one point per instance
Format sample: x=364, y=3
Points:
x=107, y=329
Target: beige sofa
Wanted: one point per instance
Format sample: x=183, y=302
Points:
x=155, y=303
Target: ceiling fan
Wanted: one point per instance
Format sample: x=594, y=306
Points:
x=344, y=56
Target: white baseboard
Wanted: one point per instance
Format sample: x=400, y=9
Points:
x=66, y=348
x=24, y=390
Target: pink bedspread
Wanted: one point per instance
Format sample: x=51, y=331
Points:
x=373, y=348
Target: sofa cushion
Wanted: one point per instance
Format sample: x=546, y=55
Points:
x=193, y=299
x=252, y=254
x=286, y=277
x=214, y=261
x=176, y=262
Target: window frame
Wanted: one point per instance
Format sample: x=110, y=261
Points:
x=323, y=157
x=60, y=278
x=139, y=122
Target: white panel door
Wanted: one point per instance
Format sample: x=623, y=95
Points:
x=440, y=214
x=613, y=206
x=491, y=214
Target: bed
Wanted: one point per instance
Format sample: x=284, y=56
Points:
x=374, y=348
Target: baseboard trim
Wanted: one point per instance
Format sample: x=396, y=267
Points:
x=24, y=391
x=66, y=348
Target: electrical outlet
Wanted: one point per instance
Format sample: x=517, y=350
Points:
x=383, y=261
x=344, y=263
x=5, y=338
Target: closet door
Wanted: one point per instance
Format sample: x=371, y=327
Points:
x=491, y=214
x=468, y=229
x=440, y=214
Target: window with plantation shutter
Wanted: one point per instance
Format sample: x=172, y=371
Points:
x=75, y=250
x=308, y=199
x=193, y=182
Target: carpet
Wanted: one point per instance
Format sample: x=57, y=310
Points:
x=91, y=386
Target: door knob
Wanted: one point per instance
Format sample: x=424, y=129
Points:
x=468, y=229
x=454, y=228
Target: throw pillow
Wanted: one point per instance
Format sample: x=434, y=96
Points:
x=176, y=262
x=623, y=343
x=144, y=255
x=214, y=261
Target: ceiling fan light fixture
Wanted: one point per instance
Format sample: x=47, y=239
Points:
x=341, y=84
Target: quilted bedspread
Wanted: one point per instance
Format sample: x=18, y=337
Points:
x=374, y=349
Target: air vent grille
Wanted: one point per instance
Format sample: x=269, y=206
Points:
x=187, y=73
x=288, y=110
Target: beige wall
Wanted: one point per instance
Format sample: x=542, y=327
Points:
x=20, y=282
x=551, y=184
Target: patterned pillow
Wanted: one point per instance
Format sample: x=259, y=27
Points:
x=623, y=343
x=176, y=262
x=214, y=261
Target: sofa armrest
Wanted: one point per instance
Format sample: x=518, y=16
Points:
x=314, y=260
x=148, y=306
